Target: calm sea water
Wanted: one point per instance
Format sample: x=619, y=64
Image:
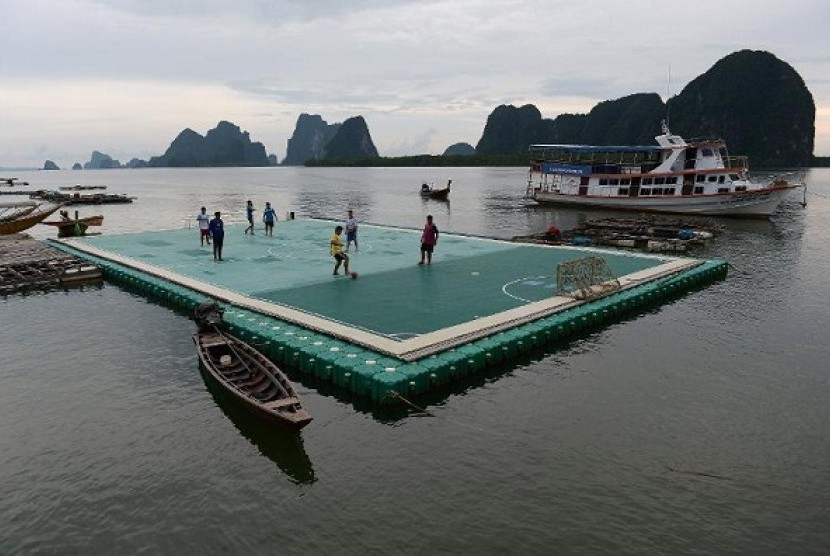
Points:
x=702, y=426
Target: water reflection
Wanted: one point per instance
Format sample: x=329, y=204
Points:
x=333, y=203
x=282, y=447
x=436, y=207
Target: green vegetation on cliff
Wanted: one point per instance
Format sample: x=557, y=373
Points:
x=757, y=103
x=429, y=160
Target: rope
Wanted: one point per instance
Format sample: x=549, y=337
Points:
x=426, y=413
x=395, y=396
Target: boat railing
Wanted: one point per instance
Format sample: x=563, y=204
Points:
x=740, y=161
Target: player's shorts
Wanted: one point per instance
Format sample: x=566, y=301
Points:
x=427, y=247
x=340, y=257
x=204, y=233
x=351, y=236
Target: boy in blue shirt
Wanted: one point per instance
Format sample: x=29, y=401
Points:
x=217, y=230
x=269, y=216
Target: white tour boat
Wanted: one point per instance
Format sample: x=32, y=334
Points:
x=674, y=176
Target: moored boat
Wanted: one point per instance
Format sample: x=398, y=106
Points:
x=250, y=377
x=25, y=217
x=698, y=177
x=81, y=198
x=429, y=191
x=11, y=182
x=80, y=187
x=96, y=220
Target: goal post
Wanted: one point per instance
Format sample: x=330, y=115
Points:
x=585, y=278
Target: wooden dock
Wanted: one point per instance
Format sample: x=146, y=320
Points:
x=27, y=263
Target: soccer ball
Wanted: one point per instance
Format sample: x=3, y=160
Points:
x=353, y=275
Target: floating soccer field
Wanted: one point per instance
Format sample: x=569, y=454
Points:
x=396, y=312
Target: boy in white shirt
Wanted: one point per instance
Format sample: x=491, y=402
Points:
x=204, y=226
x=351, y=231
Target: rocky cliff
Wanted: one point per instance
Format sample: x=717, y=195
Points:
x=510, y=129
x=460, y=149
x=99, y=161
x=757, y=103
x=49, y=165
x=308, y=142
x=352, y=141
x=136, y=163
x=224, y=145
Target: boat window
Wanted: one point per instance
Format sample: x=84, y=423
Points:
x=672, y=179
x=614, y=181
x=647, y=181
x=623, y=191
x=700, y=177
x=740, y=188
x=603, y=181
x=625, y=181
x=699, y=190
x=659, y=181
x=707, y=152
x=721, y=179
x=734, y=177
x=644, y=192
x=723, y=190
x=657, y=191
x=713, y=179
x=668, y=191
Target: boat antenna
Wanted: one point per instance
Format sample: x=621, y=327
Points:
x=668, y=97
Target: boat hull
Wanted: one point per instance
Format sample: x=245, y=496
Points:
x=250, y=378
x=440, y=194
x=756, y=203
x=88, y=221
x=28, y=220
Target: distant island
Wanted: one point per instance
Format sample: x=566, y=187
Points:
x=224, y=145
x=757, y=103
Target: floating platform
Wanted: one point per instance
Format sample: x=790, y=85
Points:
x=27, y=263
x=400, y=327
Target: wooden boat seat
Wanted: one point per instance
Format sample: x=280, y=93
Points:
x=213, y=342
x=285, y=402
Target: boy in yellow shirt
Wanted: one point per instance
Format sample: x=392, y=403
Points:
x=337, y=251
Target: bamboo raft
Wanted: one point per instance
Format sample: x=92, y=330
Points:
x=646, y=234
x=25, y=263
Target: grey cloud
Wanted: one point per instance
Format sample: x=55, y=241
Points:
x=261, y=11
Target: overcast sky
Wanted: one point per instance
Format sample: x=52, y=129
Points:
x=126, y=76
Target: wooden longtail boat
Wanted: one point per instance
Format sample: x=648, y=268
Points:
x=432, y=193
x=96, y=220
x=27, y=220
x=246, y=374
x=14, y=211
